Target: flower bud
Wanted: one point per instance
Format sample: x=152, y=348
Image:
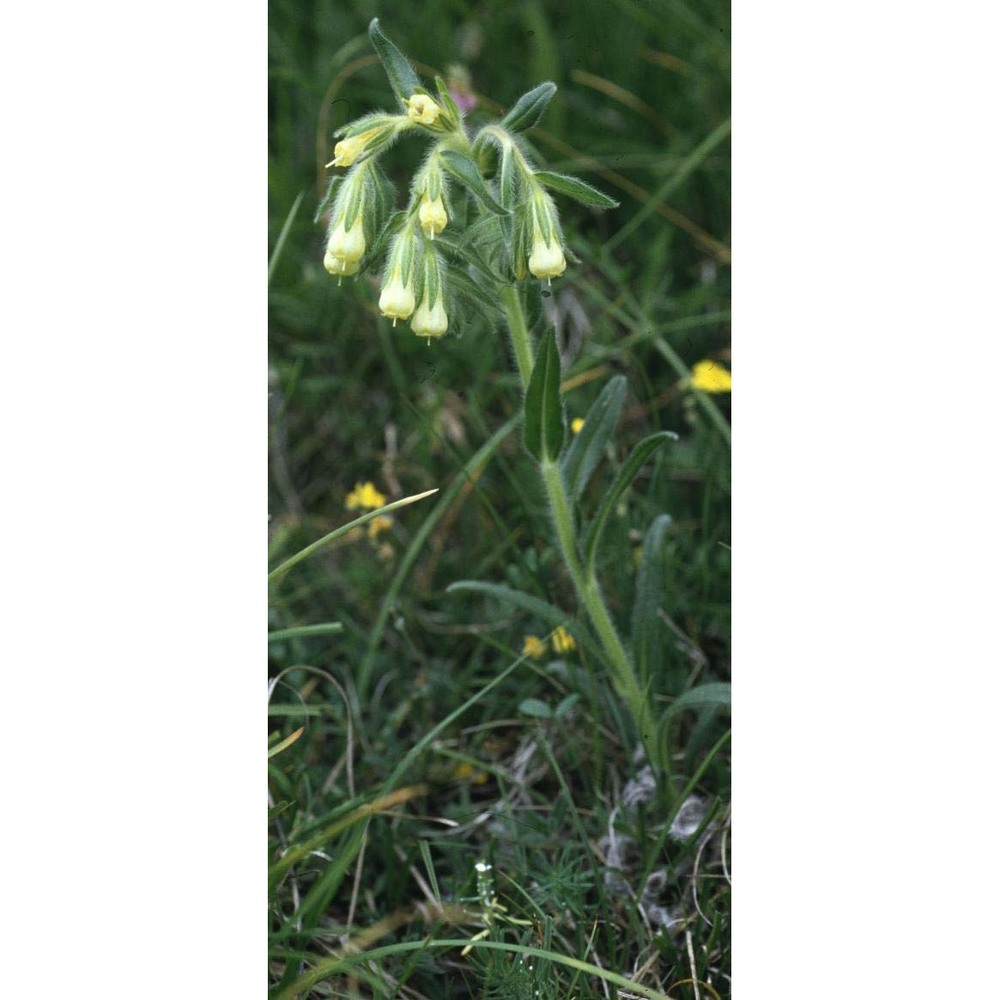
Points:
x=396, y=300
x=348, y=150
x=428, y=322
x=423, y=110
x=433, y=217
x=344, y=250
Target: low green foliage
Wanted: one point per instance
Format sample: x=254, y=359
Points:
x=528, y=669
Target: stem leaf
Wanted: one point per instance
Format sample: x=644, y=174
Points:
x=585, y=452
x=403, y=80
x=574, y=188
x=543, y=412
x=464, y=169
x=647, y=646
x=628, y=472
x=529, y=108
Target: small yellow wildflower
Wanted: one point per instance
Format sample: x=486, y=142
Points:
x=422, y=109
x=364, y=496
x=576, y=425
x=710, y=376
x=533, y=647
x=378, y=524
x=562, y=641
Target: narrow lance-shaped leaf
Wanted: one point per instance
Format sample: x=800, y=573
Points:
x=460, y=166
x=403, y=80
x=628, y=472
x=529, y=108
x=588, y=446
x=574, y=188
x=543, y=413
x=717, y=694
x=647, y=644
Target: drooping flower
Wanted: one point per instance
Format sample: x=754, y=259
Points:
x=430, y=321
x=423, y=109
x=547, y=259
x=710, y=376
x=345, y=249
x=433, y=218
x=396, y=300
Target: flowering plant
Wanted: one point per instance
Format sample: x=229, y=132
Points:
x=479, y=221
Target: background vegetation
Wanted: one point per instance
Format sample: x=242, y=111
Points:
x=429, y=741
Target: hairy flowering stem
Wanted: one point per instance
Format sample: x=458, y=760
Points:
x=585, y=582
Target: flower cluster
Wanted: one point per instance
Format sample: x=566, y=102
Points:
x=434, y=263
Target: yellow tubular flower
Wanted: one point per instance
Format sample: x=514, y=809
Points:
x=396, y=300
x=422, y=109
x=546, y=260
x=344, y=250
x=432, y=215
x=348, y=150
x=429, y=322
x=709, y=376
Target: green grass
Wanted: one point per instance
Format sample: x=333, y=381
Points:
x=429, y=740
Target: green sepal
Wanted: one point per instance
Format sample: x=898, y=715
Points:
x=544, y=428
x=403, y=80
x=355, y=200
x=508, y=177
x=587, y=447
x=574, y=188
x=380, y=201
x=529, y=108
x=628, y=472
x=464, y=169
x=447, y=102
